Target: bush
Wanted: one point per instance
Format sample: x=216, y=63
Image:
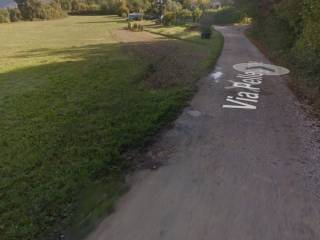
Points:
x=135, y=27
x=15, y=14
x=206, y=23
x=169, y=18
x=66, y=5
x=173, y=6
x=206, y=20
x=289, y=29
x=105, y=8
x=83, y=8
x=184, y=14
x=36, y=9
x=227, y=15
x=4, y=16
x=206, y=32
x=123, y=10
x=93, y=8
x=306, y=50
x=75, y=6
x=196, y=14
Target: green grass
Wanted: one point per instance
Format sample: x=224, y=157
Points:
x=72, y=101
x=179, y=32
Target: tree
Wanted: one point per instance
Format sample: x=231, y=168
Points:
x=32, y=9
x=15, y=14
x=66, y=5
x=184, y=14
x=123, y=9
x=173, y=6
x=4, y=16
x=196, y=14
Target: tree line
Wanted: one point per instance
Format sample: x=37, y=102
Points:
x=290, y=29
x=29, y=10
x=43, y=9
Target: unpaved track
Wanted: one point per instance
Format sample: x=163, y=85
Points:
x=229, y=174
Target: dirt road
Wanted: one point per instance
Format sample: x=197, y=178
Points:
x=229, y=173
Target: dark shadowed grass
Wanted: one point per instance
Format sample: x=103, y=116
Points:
x=71, y=129
x=191, y=33
x=70, y=106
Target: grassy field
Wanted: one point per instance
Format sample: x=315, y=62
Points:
x=191, y=33
x=179, y=32
x=72, y=101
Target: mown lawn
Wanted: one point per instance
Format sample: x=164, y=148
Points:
x=191, y=33
x=72, y=101
x=179, y=32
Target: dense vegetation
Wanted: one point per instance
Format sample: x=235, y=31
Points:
x=225, y=15
x=290, y=31
x=174, y=10
x=72, y=104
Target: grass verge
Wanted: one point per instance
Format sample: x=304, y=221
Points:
x=191, y=33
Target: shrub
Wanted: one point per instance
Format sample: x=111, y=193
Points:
x=306, y=50
x=206, y=32
x=105, y=8
x=83, y=8
x=109, y=7
x=196, y=14
x=75, y=6
x=66, y=5
x=15, y=14
x=206, y=19
x=135, y=27
x=4, y=16
x=93, y=8
x=184, y=14
x=173, y=6
x=123, y=10
x=169, y=18
x=227, y=15
x=289, y=29
x=36, y=9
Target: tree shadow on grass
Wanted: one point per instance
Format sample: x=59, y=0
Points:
x=65, y=126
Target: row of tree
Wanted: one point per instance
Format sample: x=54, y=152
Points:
x=48, y=9
x=33, y=9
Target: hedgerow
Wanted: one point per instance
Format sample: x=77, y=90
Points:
x=290, y=30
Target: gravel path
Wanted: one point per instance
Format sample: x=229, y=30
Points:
x=228, y=174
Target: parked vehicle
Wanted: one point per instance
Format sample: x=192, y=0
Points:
x=135, y=16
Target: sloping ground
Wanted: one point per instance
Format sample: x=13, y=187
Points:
x=172, y=66
x=171, y=62
x=73, y=100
